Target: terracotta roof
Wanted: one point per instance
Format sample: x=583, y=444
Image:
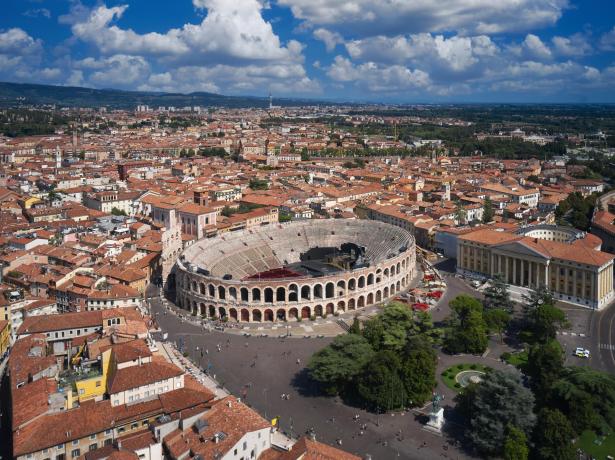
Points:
x=140, y=375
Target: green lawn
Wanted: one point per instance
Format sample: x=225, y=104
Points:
x=448, y=376
x=599, y=450
x=518, y=359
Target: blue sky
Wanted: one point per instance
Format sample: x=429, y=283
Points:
x=361, y=50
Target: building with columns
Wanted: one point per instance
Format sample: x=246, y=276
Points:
x=567, y=261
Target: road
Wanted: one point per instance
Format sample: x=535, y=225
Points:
x=261, y=369
x=603, y=339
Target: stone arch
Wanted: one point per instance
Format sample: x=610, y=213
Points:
x=268, y=295
x=257, y=315
x=306, y=312
x=212, y=311
x=352, y=284
x=232, y=292
x=361, y=282
x=269, y=315
x=392, y=289
x=370, y=279
x=385, y=292
x=397, y=286
x=318, y=310
x=341, y=306
x=352, y=305
x=361, y=302
x=280, y=294
x=378, y=296
x=329, y=290
x=392, y=270
x=211, y=290
x=280, y=314
x=245, y=315
x=194, y=288
x=202, y=310
x=305, y=292
x=318, y=291
x=221, y=293
x=386, y=272
x=244, y=293
x=293, y=313
x=370, y=298
x=398, y=268
x=256, y=295
x=202, y=288
x=341, y=288
x=293, y=293
x=403, y=264
x=222, y=312
x=330, y=308
x=233, y=313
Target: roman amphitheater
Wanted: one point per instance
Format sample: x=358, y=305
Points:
x=297, y=270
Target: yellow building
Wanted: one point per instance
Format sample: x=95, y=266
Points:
x=5, y=336
x=569, y=263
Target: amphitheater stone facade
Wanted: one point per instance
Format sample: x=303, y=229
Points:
x=219, y=277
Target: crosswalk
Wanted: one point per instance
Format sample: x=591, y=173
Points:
x=607, y=346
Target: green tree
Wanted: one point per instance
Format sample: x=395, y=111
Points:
x=542, y=323
x=467, y=332
x=515, y=444
x=587, y=397
x=497, y=295
x=537, y=297
x=380, y=385
x=390, y=329
x=418, y=371
x=488, y=212
x=490, y=406
x=339, y=363
x=355, y=328
x=544, y=366
x=497, y=320
x=553, y=436
x=118, y=212
x=258, y=184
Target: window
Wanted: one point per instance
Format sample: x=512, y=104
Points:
x=60, y=446
x=245, y=445
x=98, y=383
x=107, y=432
x=75, y=453
x=92, y=436
x=81, y=391
x=235, y=452
x=134, y=425
x=93, y=446
x=60, y=457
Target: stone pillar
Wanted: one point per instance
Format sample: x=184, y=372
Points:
x=529, y=274
x=514, y=271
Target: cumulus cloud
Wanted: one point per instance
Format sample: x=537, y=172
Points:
x=378, y=78
x=574, y=46
x=330, y=39
x=119, y=70
x=390, y=17
x=230, y=31
x=607, y=41
x=455, y=54
x=534, y=47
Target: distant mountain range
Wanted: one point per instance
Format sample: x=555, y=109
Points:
x=12, y=94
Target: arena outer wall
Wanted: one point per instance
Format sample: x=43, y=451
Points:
x=272, y=300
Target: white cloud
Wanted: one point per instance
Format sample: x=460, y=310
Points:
x=534, y=47
x=17, y=41
x=119, y=70
x=231, y=31
x=607, y=41
x=330, y=39
x=378, y=78
x=574, y=46
x=391, y=17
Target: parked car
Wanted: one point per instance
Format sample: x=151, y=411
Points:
x=582, y=352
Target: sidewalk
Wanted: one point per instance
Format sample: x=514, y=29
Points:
x=184, y=363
